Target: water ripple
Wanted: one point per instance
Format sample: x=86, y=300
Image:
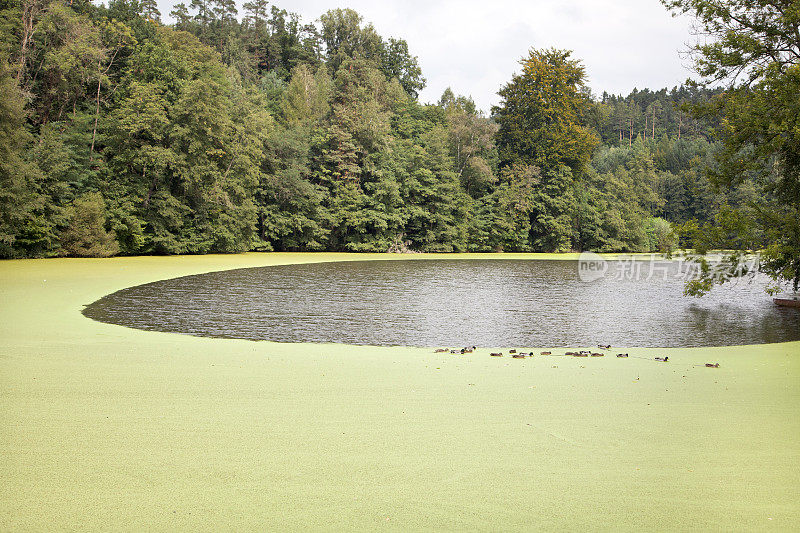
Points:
x=449, y=303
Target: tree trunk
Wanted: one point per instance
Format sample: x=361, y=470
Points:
x=653, y=122
x=630, y=132
x=99, y=83
x=96, y=113
x=29, y=12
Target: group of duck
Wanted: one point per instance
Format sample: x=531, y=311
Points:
x=582, y=353
x=521, y=355
x=468, y=349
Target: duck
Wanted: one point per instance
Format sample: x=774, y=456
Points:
x=580, y=354
x=441, y=350
x=604, y=346
x=468, y=349
x=622, y=355
x=662, y=359
x=495, y=354
x=518, y=356
x=512, y=351
x=547, y=353
x=598, y=355
x=712, y=365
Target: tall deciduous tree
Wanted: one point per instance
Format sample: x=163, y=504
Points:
x=541, y=118
x=67, y=48
x=541, y=114
x=345, y=37
x=754, y=48
x=397, y=62
x=471, y=138
x=18, y=199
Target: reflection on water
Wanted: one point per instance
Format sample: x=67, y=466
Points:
x=450, y=303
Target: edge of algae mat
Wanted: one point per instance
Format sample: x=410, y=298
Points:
x=104, y=427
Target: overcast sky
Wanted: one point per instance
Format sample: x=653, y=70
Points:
x=474, y=46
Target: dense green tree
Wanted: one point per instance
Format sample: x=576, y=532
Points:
x=183, y=19
x=345, y=38
x=221, y=135
x=290, y=211
x=306, y=97
x=291, y=43
x=653, y=115
x=436, y=206
x=116, y=37
x=505, y=217
x=66, y=49
x=754, y=47
x=471, y=139
x=358, y=122
x=18, y=199
x=397, y=62
x=291, y=216
x=183, y=153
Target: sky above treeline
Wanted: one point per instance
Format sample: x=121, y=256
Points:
x=474, y=46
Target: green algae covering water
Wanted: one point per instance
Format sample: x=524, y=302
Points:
x=454, y=303
x=109, y=427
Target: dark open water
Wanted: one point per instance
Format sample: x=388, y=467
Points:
x=526, y=303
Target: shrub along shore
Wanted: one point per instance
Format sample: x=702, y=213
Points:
x=105, y=427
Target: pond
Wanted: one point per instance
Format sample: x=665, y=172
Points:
x=461, y=302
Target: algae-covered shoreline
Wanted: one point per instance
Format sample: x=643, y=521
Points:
x=105, y=427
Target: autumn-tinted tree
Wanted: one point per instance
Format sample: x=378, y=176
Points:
x=541, y=114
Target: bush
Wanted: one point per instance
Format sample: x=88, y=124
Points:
x=660, y=235
x=86, y=235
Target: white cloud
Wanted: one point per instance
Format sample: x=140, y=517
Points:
x=474, y=46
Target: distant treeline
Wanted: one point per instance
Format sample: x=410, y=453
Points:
x=256, y=131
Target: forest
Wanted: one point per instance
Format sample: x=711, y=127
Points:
x=234, y=131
